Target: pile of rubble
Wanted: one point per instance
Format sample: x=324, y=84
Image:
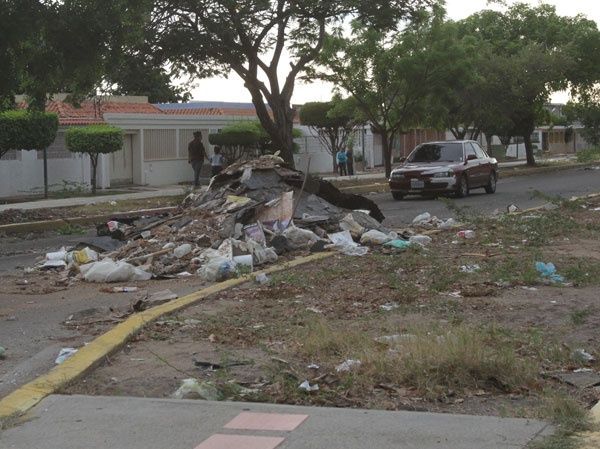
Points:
x=251, y=214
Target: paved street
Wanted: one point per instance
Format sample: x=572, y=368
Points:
x=75, y=422
x=516, y=190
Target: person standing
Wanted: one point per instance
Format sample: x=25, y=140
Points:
x=341, y=162
x=196, y=156
x=216, y=161
x=350, y=161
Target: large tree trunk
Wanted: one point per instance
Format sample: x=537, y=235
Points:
x=529, y=149
x=94, y=161
x=387, y=154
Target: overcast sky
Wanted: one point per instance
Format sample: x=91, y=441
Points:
x=232, y=89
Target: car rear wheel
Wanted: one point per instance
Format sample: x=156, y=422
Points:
x=491, y=185
x=398, y=196
x=462, y=189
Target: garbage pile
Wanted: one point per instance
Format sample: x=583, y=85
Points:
x=251, y=214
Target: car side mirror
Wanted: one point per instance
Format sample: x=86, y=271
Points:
x=471, y=157
x=402, y=159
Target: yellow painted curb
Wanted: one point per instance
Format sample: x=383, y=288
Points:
x=20, y=401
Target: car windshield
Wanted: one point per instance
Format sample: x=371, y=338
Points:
x=437, y=152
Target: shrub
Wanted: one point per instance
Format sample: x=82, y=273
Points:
x=25, y=130
x=589, y=155
x=94, y=140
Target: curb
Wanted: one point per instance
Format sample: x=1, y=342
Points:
x=31, y=226
x=20, y=401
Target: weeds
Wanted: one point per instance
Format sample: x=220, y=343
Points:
x=579, y=317
x=70, y=229
x=589, y=155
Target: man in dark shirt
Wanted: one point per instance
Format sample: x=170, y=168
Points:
x=196, y=156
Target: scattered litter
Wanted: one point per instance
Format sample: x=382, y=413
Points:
x=375, y=237
x=467, y=234
x=399, y=244
x=470, y=268
x=342, y=241
x=108, y=270
x=448, y=224
x=422, y=218
x=389, y=306
x=162, y=296
x=113, y=203
x=511, y=209
x=56, y=259
x=193, y=389
x=347, y=365
x=64, y=354
x=395, y=338
x=314, y=310
x=581, y=355
x=548, y=271
x=262, y=278
x=455, y=294
x=531, y=289
x=182, y=250
x=313, y=366
x=422, y=240
x=581, y=378
x=306, y=386
x=22, y=282
x=121, y=290
x=300, y=238
x=184, y=274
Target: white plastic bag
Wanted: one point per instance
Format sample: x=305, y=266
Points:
x=216, y=269
x=342, y=242
x=300, y=238
x=108, y=270
x=423, y=218
x=374, y=237
x=420, y=239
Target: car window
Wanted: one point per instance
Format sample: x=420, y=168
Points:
x=479, y=152
x=437, y=152
x=469, y=149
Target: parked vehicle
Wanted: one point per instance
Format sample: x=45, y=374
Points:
x=445, y=167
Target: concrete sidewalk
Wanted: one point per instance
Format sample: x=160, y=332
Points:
x=75, y=422
x=82, y=201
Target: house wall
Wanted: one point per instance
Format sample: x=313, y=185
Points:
x=24, y=175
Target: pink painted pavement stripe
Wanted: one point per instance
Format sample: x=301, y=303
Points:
x=220, y=441
x=266, y=421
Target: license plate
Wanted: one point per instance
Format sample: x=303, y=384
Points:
x=417, y=184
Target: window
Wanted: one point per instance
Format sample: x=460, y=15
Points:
x=437, y=152
x=478, y=151
x=469, y=150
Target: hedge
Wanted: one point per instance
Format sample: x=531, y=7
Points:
x=94, y=139
x=25, y=130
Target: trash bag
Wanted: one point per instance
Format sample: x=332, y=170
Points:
x=260, y=254
x=374, y=237
x=300, y=238
x=217, y=268
x=342, y=242
x=399, y=244
x=192, y=389
x=348, y=223
x=422, y=218
x=420, y=240
x=108, y=270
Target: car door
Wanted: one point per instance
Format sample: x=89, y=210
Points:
x=472, y=166
x=485, y=167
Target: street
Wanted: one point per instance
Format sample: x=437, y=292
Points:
x=518, y=190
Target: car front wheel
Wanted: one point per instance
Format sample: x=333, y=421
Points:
x=491, y=185
x=462, y=189
x=398, y=196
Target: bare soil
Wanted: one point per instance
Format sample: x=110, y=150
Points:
x=510, y=318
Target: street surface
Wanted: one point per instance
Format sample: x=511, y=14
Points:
x=516, y=190
x=75, y=422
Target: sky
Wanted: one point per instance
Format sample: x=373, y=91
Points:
x=232, y=88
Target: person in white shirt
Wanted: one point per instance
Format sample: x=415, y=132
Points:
x=216, y=161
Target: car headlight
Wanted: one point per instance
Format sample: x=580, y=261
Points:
x=397, y=175
x=444, y=174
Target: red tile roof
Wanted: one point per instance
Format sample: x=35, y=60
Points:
x=222, y=112
x=86, y=113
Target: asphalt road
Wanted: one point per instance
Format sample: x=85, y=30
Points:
x=518, y=190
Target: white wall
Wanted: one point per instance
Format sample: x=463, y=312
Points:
x=25, y=177
x=160, y=173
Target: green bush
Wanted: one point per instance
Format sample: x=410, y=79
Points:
x=589, y=155
x=25, y=130
x=94, y=140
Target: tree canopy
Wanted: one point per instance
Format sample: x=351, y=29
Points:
x=252, y=39
x=24, y=130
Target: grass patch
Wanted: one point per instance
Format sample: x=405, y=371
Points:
x=568, y=416
x=515, y=269
x=582, y=272
x=70, y=229
x=579, y=317
x=589, y=155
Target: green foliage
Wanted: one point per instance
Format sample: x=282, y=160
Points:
x=94, y=139
x=587, y=111
x=23, y=130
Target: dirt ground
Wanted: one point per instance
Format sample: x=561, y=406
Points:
x=461, y=326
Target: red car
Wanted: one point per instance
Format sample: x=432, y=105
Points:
x=445, y=167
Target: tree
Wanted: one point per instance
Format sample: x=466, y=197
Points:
x=252, y=39
x=394, y=77
x=244, y=140
x=94, y=140
x=23, y=130
x=587, y=111
x=333, y=122
x=532, y=52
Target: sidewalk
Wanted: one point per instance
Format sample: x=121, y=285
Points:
x=82, y=201
x=73, y=422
